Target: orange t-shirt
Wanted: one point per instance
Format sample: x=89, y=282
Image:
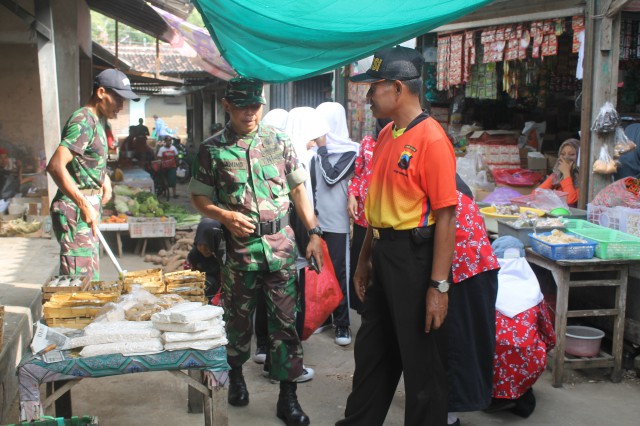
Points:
x=411, y=175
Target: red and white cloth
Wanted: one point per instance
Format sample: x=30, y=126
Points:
x=359, y=184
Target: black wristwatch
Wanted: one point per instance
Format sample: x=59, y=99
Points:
x=317, y=231
x=441, y=285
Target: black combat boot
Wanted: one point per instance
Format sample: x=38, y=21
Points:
x=238, y=393
x=288, y=408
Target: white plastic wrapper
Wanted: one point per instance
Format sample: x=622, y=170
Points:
x=190, y=327
x=144, y=347
x=117, y=327
x=202, y=313
x=200, y=345
x=105, y=332
x=165, y=316
x=212, y=333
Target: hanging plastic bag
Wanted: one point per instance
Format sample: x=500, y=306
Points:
x=607, y=119
x=623, y=144
x=322, y=294
x=604, y=165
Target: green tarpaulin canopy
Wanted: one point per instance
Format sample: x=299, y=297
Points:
x=284, y=40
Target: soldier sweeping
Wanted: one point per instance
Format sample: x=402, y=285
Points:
x=78, y=167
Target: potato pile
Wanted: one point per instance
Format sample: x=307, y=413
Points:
x=173, y=259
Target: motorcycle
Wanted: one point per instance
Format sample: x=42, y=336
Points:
x=183, y=171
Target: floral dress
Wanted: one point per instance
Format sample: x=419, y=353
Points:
x=522, y=343
x=362, y=176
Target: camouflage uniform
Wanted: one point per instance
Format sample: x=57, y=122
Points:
x=85, y=137
x=253, y=175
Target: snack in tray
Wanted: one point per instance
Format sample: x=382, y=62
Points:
x=507, y=209
x=559, y=237
x=537, y=222
x=141, y=311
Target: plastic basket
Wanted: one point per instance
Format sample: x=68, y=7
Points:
x=609, y=217
x=505, y=227
x=571, y=251
x=612, y=244
x=152, y=227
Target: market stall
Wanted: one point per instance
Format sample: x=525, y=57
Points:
x=211, y=382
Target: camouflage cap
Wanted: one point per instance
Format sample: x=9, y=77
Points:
x=243, y=91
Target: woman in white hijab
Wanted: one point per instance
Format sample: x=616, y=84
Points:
x=524, y=331
x=276, y=118
x=331, y=169
x=338, y=140
x=304, y=126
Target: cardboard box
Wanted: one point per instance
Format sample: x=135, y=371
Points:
x=536, y=161
x=494, y=137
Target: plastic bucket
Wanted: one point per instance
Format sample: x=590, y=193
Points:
x=583, y=341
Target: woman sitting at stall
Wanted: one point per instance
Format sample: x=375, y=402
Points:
x=565, y=173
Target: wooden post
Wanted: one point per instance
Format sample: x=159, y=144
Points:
x=606, y=53
x=48, y=85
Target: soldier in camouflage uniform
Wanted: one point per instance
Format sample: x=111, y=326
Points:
x=246, y=177
x=78, y=167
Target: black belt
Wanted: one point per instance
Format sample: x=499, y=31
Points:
x=271, y=227
x=425, y=232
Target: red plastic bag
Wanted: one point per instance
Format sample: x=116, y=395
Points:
x=322, y=294
x=516, y=177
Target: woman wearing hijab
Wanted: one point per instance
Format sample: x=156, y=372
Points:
x=202, y=256
x=331, y=169
x=565, y=173
x=524, y=332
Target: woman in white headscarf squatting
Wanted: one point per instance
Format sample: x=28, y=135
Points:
x=524, y=331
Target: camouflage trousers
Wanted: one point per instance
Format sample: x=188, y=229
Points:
x=79, y=248
x=239, y=292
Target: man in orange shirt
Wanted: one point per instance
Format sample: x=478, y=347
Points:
x=407, y=252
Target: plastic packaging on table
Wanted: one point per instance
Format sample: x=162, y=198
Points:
x=112, y=332
x=200, y=345
x=202, y=313
x=165, y=316
x=607, y=119
x=139, y=305
x=543, y=199
x=187, y=328
x=214, y=332
x=501, y=195
x=143, y=347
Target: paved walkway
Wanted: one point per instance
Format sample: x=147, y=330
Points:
x=160, y=399
x=25, y=265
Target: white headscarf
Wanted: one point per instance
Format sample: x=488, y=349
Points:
x=276, y=118
x=338, y=141
x=305, y=124
x=518, y=287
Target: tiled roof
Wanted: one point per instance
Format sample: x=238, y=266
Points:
x=143, y=59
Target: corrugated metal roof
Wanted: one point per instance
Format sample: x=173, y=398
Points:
x=136, y=14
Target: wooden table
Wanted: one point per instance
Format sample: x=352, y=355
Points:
x=566, y=274
x=205, y=372
x=118, y=228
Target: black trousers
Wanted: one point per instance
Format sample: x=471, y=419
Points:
x=471, y=338
x=356, y=245
x=392, y=341
x=337, y=246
